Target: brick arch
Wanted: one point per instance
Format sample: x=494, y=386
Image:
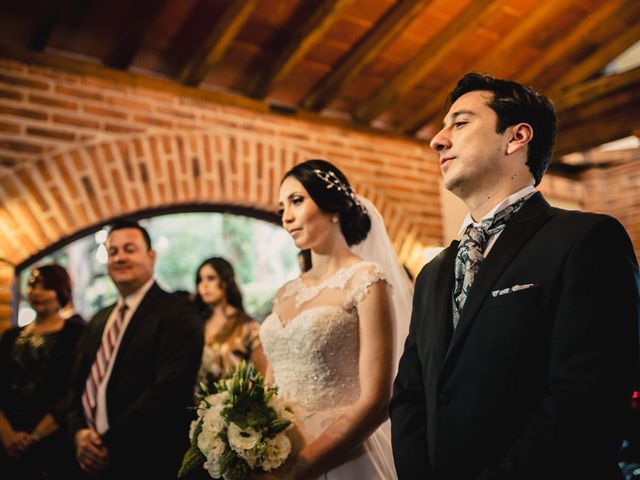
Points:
x=61, y=193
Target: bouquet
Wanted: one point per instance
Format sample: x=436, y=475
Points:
x=239, y=429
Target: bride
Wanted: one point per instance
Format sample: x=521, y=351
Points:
x=330, y=338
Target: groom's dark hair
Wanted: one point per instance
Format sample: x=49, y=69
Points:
x=515, y=103
x=333, y=195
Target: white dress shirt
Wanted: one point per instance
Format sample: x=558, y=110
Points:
x=511, y=199
x=132, y=301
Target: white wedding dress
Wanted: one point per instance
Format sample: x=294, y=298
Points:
x=311, y=340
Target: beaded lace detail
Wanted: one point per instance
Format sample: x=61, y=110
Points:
x=314, y=354
x=303, y=293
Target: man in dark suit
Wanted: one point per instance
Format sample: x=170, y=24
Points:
x=136, y=377
x=524, y=334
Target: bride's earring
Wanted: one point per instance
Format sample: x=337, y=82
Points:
x=335, y=219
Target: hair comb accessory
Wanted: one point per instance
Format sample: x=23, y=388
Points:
x=332, y=181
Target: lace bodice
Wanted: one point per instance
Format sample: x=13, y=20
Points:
x=311, y=337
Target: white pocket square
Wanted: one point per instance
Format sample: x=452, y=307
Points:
x=515, y=288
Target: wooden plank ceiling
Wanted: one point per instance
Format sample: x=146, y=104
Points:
x=380, y=64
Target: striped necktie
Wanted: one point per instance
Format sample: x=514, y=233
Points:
x=101, y=365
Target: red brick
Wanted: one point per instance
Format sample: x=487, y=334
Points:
x=80, y=122
x=113, y=128
x=105, y=112
x=49, y=133
x=23, y=112
x=20, y=146
x=53, y=102
x=91, y=194
x=153, y=121
x=128, y=104
x=10, y=94
x=23, y=82
x=9, y=127
x=27, y=181
x=79, y=93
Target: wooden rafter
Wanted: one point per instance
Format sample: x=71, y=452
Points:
x=500, y=51
x=616, y=124
x=44, y=26
x=570, y=42
x=352, y=63
x=217, y=42
x=599, y=111
x=599, y=59
x=429, y=57
x=602, y=87
x=305, y=37
x=132, y=33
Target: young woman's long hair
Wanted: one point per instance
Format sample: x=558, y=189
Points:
x=227, y=279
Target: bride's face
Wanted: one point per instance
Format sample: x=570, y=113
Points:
x=301, y=217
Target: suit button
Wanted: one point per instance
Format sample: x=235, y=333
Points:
x=443, y=399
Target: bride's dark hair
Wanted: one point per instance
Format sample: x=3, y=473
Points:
x=330, y=190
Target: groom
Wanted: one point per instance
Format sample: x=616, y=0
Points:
x=524, y=334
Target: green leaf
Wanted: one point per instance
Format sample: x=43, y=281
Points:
x=192, y=459
x=277, y=426
x=196, y=432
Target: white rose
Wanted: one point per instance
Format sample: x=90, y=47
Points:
x=213, y=467
x=280, y=408
x=277, y=450
x=192, y=429
x=242, y=439
x=251, y=456
x=216, y=449
x=205, y=441
x=216, y=400
x=212, y=421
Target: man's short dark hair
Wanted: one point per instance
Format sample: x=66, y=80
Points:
x=515, y=103
x=126, y=223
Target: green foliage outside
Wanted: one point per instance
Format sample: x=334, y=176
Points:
x=263, y=256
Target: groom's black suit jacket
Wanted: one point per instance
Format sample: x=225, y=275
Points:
x=532, y=384
x=150, y=387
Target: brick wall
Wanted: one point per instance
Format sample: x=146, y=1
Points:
x=616, y=191
x=77, y=150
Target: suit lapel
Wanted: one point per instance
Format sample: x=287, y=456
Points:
x=441, y=307
x=100, y=322
x=518, y=231
x=140, y=317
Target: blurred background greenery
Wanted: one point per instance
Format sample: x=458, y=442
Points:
x=262, y=254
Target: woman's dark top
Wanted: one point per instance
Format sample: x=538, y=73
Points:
x=35, y=373
x=35, y=376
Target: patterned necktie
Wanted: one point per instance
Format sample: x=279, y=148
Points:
x=100, y=366
x=471, y=253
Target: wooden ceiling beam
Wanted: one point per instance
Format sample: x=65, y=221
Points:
x=573, y=39
x=217, y=42
x=505, y=46
x=132, y=32
x=392, y=24
x=48, y=17
x=608, y=114
x=588, y=92
x=599, y=59
x=428, y=58
x=304, y=38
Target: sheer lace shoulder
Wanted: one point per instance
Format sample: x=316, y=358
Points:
x=363, y=281
x=354, y=279
x=284, y=292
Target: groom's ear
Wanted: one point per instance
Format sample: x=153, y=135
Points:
x=521, y=135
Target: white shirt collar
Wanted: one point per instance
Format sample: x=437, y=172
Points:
x=134, y=299
x=511, y=199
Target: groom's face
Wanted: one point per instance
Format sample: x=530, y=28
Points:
x=301, y=217
x=472, y=154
